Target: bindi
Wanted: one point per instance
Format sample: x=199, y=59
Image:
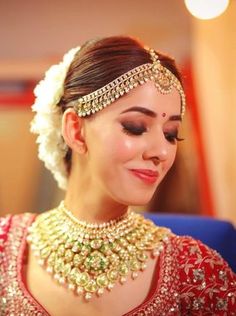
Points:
x=163, y=114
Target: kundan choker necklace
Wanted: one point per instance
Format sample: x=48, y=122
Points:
x=90, y=258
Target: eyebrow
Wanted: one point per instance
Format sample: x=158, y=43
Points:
x=150, y=113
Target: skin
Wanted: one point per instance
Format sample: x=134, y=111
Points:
x=102, y=187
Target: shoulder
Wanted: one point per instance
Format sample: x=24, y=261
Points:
x=7, y=220
x=195, y=253
x=4, y=227
x=4, y=221
x=11, y=221
x=207, y=282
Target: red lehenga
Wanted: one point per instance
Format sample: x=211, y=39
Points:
x=192, y=279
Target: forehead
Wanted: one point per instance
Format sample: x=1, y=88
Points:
x=148, y=96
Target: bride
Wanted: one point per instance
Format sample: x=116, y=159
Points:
x=108, y=118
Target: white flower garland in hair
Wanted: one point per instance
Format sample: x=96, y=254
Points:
x=48, y=118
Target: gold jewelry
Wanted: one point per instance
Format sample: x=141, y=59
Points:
x=163, y=78
x=90, y=258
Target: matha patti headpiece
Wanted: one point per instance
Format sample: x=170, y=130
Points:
x=163, y=78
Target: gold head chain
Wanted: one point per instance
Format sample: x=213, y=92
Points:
x=163, y=78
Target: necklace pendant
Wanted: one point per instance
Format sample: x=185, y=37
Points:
x=123, y=280
x=79, y=290
x=110, y=286
x=134, y=275
x=100, y=291
x=71, y=287
x=88, y=296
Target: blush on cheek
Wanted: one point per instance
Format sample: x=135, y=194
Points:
x=124, y=149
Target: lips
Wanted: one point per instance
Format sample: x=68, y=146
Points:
x=147, y=175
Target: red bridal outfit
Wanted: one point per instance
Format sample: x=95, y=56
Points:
x=191, y=278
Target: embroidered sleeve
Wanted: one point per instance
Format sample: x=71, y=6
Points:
x=4, y=226
x=208, y=285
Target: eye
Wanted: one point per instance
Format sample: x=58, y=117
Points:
x=172, y=137
x=133, y=129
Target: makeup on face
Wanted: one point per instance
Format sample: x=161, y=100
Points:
x=136, y=126
x=132, y=144
x=146, y=175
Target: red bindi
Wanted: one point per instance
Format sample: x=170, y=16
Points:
x=163, y=114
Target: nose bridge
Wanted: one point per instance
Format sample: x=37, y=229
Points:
x=157, y=145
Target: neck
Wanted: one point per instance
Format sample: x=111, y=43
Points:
x=86, y=200
x=93, y=208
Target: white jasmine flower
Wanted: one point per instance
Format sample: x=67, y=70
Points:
x=48, y=118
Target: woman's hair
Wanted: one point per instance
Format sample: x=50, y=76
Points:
x=99, y=62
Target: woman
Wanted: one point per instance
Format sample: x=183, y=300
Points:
x=108, y=118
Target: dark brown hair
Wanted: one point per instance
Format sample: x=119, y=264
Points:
x=100, y=61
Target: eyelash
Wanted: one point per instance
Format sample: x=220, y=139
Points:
x=133, y=130
x=173, y=137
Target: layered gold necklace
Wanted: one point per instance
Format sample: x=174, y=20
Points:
x=90, y=258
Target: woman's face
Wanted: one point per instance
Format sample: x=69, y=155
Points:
x=132, y=144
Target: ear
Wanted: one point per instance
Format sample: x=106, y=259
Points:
x=73, y=131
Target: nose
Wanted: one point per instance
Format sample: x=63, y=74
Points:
x=156, y=148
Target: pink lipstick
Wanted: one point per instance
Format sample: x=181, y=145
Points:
x=147, y=175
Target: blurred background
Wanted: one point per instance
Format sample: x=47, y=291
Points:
x=35, y=35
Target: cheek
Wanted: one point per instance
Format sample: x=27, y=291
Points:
x=110, y=147
x=171, y=158
x=123, y=148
